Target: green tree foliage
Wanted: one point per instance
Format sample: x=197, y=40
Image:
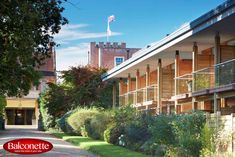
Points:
x=86, y=87
x=26, y=28
x=2, y=105
x=82, y=87
x=54, y=103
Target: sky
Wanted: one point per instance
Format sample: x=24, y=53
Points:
x=137, y=23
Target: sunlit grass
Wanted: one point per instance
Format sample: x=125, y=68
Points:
x=100, y=148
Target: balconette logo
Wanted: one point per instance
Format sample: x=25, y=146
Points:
x=27, y=146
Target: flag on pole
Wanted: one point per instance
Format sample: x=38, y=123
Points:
x=110, y=19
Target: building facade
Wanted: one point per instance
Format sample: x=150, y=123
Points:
x=192, y=68
x=24, y=110
x=108, y=55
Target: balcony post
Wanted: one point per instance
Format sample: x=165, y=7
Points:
x=129, y=83
x=137, y=85
x=147, y=80
x=217, y=50
x=114, y=95
x=159, y=89
x=120, y=83
x=128, y=87
x=177, y=58
x=147, y=84
x=195, y=68
x=217, y=59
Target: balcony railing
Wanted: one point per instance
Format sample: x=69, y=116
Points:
x=151, y=94
x=139, y=96
x=184, y=84
x=203, y=79
x=225, y=73
x=127, y=98
x=121, y=100
x=140, y=93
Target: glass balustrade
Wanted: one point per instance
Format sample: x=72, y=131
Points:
x=184, y=84
x=225, y=73
x=151, y=94
x=204, y=79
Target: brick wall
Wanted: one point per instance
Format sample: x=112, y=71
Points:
x=108, y=52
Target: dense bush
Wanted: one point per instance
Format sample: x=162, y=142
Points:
x=97, y=124
x=3, y=104
x=188, y=129
x=162, y=135
x=78, y=118
x=122, y=117
x=63, y=123
x=136, y=131
x=53, y=104
x=112, y=133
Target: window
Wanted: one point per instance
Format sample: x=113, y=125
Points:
x=118, y=60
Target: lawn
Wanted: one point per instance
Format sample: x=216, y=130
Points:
x=100, y=148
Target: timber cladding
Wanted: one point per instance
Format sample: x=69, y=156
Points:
x=227, y=53
x=168, y=88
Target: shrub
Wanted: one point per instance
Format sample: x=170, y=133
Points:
x=77, y=119
x=63, y=123
x=208, y=143
x=48, y=121
x=96, y=125
x=112, y=133
x=136, y=131
x=53, y=104
x=187, y=130
x=162, y=131
x=3, y=104
x=122, y=117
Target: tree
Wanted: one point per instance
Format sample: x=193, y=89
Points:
x=86, y=88
x=26, y=29
x=54, y=103
x=82, y=87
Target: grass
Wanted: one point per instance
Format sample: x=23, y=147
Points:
x=100, y=148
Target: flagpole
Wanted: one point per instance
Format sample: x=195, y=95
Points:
x=108, y=30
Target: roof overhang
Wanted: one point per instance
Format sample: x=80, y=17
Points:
x=202, y=30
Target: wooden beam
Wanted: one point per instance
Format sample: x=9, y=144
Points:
x=114, y=95
x=195, y=68
x=217, y=49
x=159, y=89
x=217, y=58
x=195, y=57
x=137, y=78
x=129, y=83
x=137, y=84
x=120, y=84
x=177, y=59
x=147, y=81
x=147, y=75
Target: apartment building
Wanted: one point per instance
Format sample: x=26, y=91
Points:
x=191, y=68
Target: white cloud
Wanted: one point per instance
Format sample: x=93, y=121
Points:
x=72, y=56
x=72, y=32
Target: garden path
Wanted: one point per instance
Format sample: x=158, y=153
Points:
x=60, y=148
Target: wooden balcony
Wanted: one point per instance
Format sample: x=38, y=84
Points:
x=183, y=87
x=219, y=78
x=141, y=98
